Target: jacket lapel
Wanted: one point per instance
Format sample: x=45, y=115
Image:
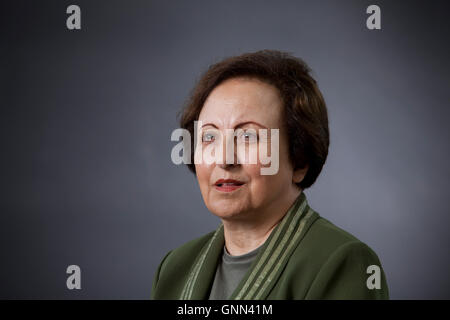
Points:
x=203, y=271
x=268, y=265
x=278, y=248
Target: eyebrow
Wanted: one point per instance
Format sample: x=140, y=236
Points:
x=238, y=125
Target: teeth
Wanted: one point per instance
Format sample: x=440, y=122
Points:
x=229, y=184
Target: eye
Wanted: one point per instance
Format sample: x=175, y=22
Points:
x=249, y=136
x=208, y=137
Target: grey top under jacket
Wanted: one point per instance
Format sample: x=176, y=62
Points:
x=230, y=271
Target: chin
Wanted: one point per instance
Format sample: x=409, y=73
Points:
x=227, y=211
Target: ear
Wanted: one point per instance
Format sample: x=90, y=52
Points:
x=299, y=174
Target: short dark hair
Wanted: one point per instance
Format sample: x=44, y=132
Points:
x=304, y=110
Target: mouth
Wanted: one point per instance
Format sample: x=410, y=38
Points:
x=228, y=185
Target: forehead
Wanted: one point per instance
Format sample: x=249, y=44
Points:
x=240, y=100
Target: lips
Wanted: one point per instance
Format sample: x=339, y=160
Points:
x=228, y=185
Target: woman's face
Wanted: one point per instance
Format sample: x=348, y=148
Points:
x=244, y=103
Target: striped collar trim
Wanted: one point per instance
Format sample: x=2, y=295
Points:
x=269, y=263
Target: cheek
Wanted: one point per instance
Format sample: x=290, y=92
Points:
x=260, y=184
x=203, y=173
x=247, y=154
x=265, y=183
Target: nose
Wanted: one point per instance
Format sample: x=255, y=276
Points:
x=228, y=146
x=225, y=166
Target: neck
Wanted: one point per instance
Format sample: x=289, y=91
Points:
x=243, y=236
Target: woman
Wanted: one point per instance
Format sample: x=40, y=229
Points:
x=270, y=244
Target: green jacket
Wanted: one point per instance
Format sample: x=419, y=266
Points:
x=305, y=257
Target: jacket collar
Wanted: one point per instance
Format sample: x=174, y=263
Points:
x=268, y=264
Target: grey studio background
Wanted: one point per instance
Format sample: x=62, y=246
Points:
x=86, y=117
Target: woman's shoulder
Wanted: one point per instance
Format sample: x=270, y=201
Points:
x=173, y=269
x=196, y=243
x=188, y=250
x=325, y=240
x=329, y=232
x=339, y=265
